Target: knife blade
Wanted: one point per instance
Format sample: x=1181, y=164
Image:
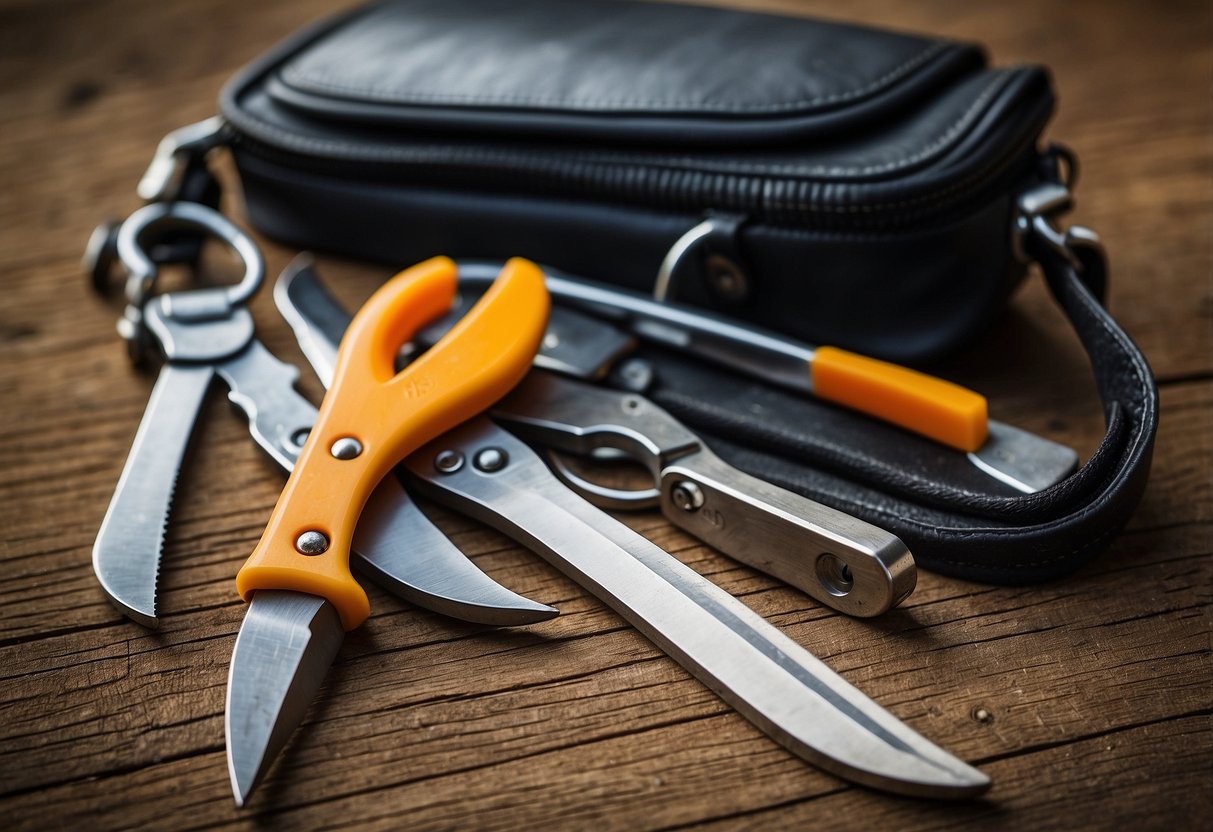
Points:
x=484, y=471
x=766, y=676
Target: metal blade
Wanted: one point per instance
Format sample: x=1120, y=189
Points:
x=395, y=544
x=286, y=644
x=126, y=554
x=400, y=549
x=317, y=319
x=766, y=676
x=1015, y=457
x=1026, y=462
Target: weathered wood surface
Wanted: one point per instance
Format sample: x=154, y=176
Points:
x=1087, y=700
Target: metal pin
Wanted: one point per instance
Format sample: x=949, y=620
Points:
x=347, y=447
x=491, y=460
x=312, y=543
x=448, y=462
x=687, y=495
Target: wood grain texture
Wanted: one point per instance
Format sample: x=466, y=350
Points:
x=1089, y=701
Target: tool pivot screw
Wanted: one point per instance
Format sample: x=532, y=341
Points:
x=687, y=495
x=312, y=543
x=491, y=460
x=448, y=462
x=347, y=447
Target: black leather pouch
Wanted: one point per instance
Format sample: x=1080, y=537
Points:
x=862, y=182
x=831, y=183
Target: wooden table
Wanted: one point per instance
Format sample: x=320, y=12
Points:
x=1087, y=700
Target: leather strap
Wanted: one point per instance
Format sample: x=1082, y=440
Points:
x=953, y=519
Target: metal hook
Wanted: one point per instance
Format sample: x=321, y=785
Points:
x=142, y=271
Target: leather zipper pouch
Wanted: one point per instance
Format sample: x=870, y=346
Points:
x=835, y=184
x=860, y=183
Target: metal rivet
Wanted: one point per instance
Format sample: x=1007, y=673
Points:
x=490, y=460
x=347, y=447
x=636, y=375
x=448, y=462
x=727, y=278
x=687, y=495
x=312, y=543
x=299, y=437
x=551, y=341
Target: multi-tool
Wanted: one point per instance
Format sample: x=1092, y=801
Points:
x=841, y=561
x=207, y=332
x=487, y=472
x=295, y=624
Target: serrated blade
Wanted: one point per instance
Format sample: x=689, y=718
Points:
x=126, y=554
x=286, y=644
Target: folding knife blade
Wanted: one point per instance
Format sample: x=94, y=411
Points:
x=482, y=470
x=126, y=554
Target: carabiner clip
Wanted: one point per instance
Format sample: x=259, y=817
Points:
x=133, y=239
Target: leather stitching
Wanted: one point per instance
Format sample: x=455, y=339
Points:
x=294, y=75
x=452, y=155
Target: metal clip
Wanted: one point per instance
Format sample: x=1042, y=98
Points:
x=142, y=271
x=162, y=179
x=1037, y=207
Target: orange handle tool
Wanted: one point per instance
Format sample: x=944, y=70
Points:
x=373, y=417
x=935, y=408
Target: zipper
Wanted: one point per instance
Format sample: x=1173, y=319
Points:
x=804, y=203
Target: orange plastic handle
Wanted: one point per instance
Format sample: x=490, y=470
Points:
x=389, y=415
x=930, y=406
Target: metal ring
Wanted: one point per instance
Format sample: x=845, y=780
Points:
x=623, y=499
x=142, y=272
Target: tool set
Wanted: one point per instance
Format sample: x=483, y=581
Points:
x=694, y=237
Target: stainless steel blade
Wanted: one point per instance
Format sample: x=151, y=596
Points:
x=401, y=549
x=316, y=318
x=395, y=544
x=126, y=554
x=286, y=644
x=1018, y=459
x=762, y=673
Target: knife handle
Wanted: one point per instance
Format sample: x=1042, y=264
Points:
x=938, y=409
x=372, y=417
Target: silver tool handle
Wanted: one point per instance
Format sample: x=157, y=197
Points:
x=840, y=560
x=264, y=388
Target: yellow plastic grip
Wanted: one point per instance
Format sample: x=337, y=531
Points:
x=389, y=415
x=930, y=406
